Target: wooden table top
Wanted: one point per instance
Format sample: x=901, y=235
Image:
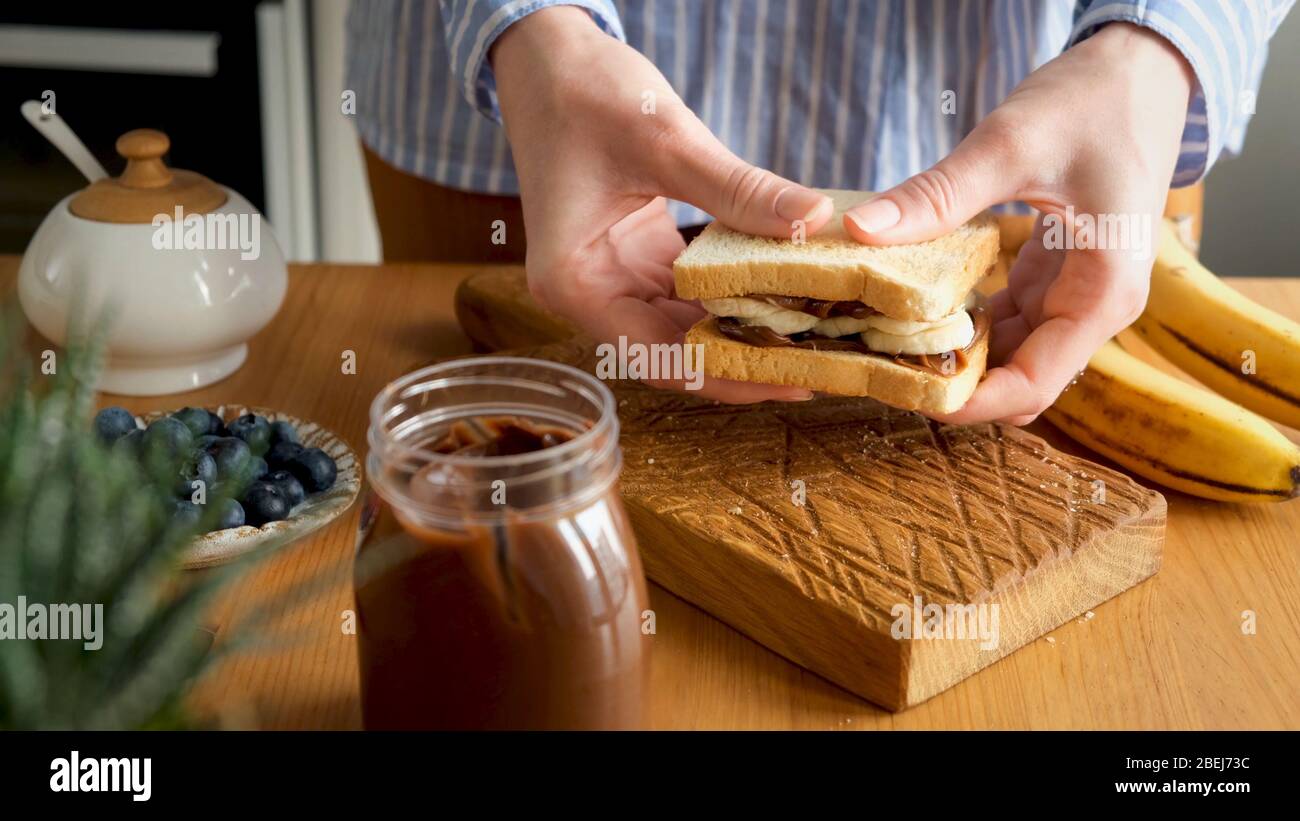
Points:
x=1170, y=653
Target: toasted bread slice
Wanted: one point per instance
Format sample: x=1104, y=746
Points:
x=840, y=372
x=923, y=281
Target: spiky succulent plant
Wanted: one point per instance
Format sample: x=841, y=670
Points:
x=80, y=524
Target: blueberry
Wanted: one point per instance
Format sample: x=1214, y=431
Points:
x=283, y=432
x=216, y=425
x=168, y=433
x=201, y=467
x=186, y=514
x=131, y=444
x=205, y=441
x=315, y=469
x=254, y=430
x=196, y=419
x=263, y=502
x=289, y=486
x=113, y=423
x=166, y=444
x=281, y=453
x=255, y=468
x=224, y=490
x=229, y=514
x=232, y=456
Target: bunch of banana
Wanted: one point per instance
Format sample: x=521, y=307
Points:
x=1234, y=346
x=1178, y=434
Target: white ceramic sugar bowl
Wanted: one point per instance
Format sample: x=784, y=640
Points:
x=185, y=270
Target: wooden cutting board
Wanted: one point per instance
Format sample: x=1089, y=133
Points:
x=820, y=529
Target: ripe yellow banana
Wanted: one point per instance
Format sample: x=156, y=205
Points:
x=1238, y=348
x=1176, y=433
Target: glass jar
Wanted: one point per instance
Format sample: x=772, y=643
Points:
x=500, y=585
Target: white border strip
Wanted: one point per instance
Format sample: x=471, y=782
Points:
x=277, y=156
x=185, y=53
x=302, y=173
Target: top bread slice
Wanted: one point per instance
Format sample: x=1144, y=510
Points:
x=922, y=281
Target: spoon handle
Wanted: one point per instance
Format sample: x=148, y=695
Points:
x=62, y=138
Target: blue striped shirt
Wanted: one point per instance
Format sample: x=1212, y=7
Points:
x=829, y=93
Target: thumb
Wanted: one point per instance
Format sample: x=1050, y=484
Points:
x=743, y=196
x=981, y=171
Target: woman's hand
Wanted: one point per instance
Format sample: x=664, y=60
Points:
x=1097, y=129
x=599, y=139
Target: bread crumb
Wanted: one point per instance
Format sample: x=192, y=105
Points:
x=735, y=511
x=650, y=461
x=1051, y=640
x=1089, y=615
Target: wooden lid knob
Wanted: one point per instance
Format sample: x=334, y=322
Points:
x=147, y=187
x=143, y=149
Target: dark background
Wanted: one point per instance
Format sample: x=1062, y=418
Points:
x=214, y=123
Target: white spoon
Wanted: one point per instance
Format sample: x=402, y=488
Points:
x=62, y=138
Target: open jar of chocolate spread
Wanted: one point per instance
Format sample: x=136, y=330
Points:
x=500, y=585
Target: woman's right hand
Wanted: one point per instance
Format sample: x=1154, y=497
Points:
x=599, y=139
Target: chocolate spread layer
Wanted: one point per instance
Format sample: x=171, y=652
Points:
x=499, y=436
x=764, y=337
x=820, y=308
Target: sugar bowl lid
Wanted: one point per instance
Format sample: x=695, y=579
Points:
x=147, y=187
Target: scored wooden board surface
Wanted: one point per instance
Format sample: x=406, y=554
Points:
x=806, y=525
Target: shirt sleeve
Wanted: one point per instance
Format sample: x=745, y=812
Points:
x=1226, y=44
x=472, y=26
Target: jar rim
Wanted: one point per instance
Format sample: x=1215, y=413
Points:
x=603, y=399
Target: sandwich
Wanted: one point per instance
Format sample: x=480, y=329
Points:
x=899, y=324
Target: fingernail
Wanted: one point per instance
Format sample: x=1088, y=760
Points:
x=800, y=204
x=797, y=397
x=876, y=215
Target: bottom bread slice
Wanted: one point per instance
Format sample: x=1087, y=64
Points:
x=840, y=372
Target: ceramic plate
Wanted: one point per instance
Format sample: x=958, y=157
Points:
x=318, y=510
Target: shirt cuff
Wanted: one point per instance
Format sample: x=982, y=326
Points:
x=1220, y=43
x=472, y=26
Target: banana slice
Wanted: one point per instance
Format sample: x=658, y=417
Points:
x=737, y=307
x=880, y=333
x=784, y=322
x=835, y=326
x=950, y=334
x=907, y=327
x=758, y=312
